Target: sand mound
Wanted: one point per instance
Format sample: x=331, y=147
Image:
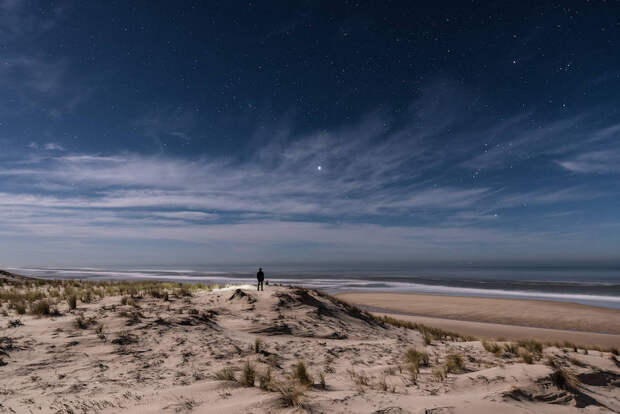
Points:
x=241, y=296
x=240, y=351
x=311, y=314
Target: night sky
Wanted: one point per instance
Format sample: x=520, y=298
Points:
x=203, y=132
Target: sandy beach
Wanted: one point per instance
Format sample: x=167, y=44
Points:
x=500, y=318
x=169, y=348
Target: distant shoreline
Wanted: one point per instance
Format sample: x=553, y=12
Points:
x=602, y=290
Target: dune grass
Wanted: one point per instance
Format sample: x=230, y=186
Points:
x=226, y=374
x=72, y=302
x=418, y=358
x=493, y=347
x=46, y=297
x=43, y=307
x=455, y=363
x=562, y=377
x=532, y=345
x=82, y=322
x=300, y=373
x=258, y=345
x=292, y=395
x=248, y=375
x=526, y=356
x=265, y=380
x=428, y=332
x=414, y=360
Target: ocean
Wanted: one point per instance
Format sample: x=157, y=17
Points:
x=598, y=286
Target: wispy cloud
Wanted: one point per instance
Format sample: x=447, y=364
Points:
x=368, y=170
x=551, y=196
x=347, y=185
x=602, y=162
x=49, y=146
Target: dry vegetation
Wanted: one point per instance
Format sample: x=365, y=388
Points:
x=47, y=297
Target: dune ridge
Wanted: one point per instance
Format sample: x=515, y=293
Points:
x=517, y=312
x=288, y=349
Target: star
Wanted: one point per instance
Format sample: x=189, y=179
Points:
x=319, y=168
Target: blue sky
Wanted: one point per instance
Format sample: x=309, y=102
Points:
x=209, y=132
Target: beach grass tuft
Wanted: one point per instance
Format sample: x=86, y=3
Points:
x=414, y=360
x=322, y=382
x=43, y=307
x=72, y=302
x=532, y=345
x=248, y=375
x=292, y=395
x=455, y=363
x=300, y=373
x=562, y=377
x=493, y=347
x=82, y=322
x=428, y=332
x=265, y=381
x=526, y=356
x=226, y=374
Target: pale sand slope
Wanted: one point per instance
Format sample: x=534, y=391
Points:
x=494, y=331
x=524, y=312
x=169, y=360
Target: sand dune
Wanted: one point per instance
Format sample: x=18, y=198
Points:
x=521, y=312
x=494, y=331
x=150, y=355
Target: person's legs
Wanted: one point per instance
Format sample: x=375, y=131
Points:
x=258, y=285
x=261, y=285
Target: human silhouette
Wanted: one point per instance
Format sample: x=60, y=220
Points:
x=260, y=276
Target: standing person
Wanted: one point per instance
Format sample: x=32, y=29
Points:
x=260, y=276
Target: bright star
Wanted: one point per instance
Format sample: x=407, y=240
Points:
x=319, y=168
